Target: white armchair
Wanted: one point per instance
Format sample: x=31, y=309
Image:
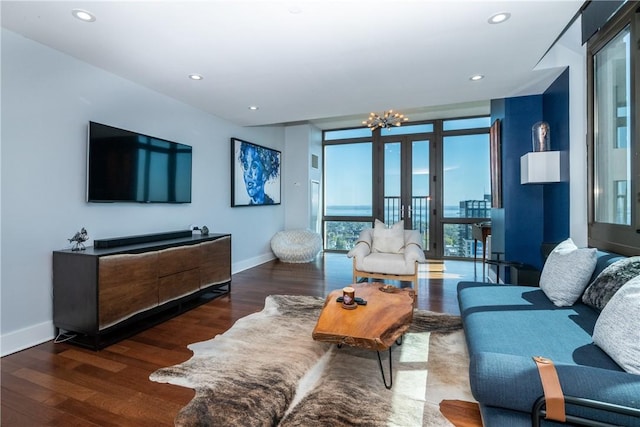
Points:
x=394, y=256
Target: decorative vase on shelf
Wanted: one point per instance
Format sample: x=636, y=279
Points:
x=540, y=136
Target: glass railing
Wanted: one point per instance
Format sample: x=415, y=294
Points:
x=419, y=214
x=457, y=237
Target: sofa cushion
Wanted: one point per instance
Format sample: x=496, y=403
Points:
x=520, y=320
x=617, y=330
x=600, y=291
x=388, y=239
x=566, y=273
x=605, y=259
x=513, y=382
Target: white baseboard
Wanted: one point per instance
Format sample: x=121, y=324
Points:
x=251, y=262
x=28, y=337
x=24, y=338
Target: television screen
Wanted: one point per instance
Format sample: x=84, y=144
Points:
x=124, y=166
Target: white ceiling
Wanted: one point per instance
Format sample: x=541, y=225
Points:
x=325, y=62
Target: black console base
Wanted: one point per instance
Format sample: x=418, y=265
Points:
x=142, y=238
x=143, y=321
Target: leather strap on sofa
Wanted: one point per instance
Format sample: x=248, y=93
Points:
x=553, y=395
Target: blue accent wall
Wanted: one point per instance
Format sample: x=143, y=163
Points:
x=532, y=214
x=555, y=107
x=524, y=206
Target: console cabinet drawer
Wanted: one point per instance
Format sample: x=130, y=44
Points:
x=178, y=285
x=175, y=260
x=212, y=270
x=128, y=285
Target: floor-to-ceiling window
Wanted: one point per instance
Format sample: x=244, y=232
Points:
x=466, y=185
x=348, y=178
x=432, y=175
x=614, y=134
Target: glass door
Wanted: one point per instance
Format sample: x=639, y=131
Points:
x=466, y=195
x=406, y=184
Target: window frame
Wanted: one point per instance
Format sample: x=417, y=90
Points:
x=341, y=218
x=437, y=138
x=622, y=239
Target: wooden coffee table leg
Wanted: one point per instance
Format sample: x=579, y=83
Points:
x=384, y=379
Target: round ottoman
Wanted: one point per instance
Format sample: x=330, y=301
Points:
x=296, y=246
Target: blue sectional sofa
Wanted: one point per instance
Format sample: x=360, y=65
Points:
x=506, y=325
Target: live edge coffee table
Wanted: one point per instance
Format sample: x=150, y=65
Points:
x=374, y=326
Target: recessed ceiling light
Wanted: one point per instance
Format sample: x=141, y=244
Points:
x=195, y=77
x=83, y=15
x=476, y=77
x=499, y=18
x=253, y=107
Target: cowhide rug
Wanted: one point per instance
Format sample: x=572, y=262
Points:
x=268, y=371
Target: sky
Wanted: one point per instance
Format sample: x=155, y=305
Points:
x=466, y=170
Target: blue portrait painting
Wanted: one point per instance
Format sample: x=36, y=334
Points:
x=256, y=174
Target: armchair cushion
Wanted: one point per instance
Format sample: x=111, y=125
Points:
x=388, y=239
x=367, y=259
x=363, y=245
x=413, y=246
x=377, y=262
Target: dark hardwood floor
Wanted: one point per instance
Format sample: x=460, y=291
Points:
x=65, y=385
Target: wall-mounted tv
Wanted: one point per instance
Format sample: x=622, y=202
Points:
x=125, y=166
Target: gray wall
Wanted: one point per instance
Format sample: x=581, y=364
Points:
x=48, y=98
x=301, y=142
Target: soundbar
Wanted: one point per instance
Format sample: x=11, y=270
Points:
x=115, y=242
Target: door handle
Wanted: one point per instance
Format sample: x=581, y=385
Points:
x=409, y=211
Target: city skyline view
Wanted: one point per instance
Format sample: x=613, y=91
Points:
x=348, y=182
x=461, y=158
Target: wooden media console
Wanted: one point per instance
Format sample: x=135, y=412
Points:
x=101, y=296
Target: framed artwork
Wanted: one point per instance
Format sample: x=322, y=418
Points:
x=255, y=174
x=496, y=164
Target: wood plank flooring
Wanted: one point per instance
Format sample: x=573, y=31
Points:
x=64, y=385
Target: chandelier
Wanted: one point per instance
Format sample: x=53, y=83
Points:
x=386, y=121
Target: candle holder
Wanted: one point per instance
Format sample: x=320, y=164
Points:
x=349, y=298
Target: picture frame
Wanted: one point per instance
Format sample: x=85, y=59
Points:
x=255, y=174
x=495, y=155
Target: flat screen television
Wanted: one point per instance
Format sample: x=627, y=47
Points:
x=125, y=166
